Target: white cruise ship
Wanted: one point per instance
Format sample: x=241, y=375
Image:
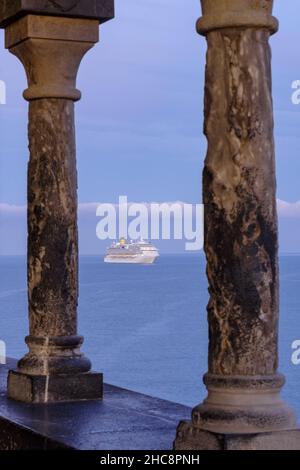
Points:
x=140, y=252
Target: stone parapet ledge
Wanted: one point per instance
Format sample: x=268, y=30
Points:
x=126, y=420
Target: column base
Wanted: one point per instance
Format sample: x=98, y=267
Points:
x=189, y=437
x=54, y=388
x=243, y=405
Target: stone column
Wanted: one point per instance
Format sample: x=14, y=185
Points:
x=51, y=49
x=239, y=191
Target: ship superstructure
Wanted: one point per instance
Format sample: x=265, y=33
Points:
x=139, y=252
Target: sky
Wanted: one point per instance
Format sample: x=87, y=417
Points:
x=139, y=123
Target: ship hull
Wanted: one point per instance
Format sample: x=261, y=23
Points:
x=131, y=260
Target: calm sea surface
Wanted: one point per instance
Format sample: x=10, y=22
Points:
x=145, y=326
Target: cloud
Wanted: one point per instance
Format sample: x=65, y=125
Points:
x=288, y=209
x=10, y=209
x=285, y=209
x=13, y=233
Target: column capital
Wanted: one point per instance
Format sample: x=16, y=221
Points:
x=51, y=49
x=219, y=14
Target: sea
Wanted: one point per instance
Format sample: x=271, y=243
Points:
x=145, y=327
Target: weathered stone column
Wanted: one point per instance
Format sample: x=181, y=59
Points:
x=51, y=48
x=239, y=191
